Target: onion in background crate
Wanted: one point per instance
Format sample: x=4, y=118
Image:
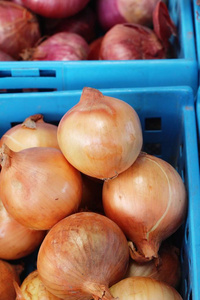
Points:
x=19, y=29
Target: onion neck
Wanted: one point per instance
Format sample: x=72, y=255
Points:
x=90, y=95
x=31, y=121
x=99, y=291
x=5, y=156
x=148, y=253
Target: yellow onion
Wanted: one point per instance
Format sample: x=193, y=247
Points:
x=148, y=202
x=33, y=132
x=100, y=136
x=166, y=268
x=7, y=277
x=143, y=288
x=81, y=256
x=32, y=288
x=16, y=240
x=38, y=186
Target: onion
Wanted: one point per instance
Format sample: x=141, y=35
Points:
x=19, y=29
x=131, y=41
x=8, y=276
x=5, y=57
x=33, y=132
x=55, y=8
x=101, y=136
x=16, y=241
x=167, y=268
x=95, y=49
x=33, y=288
x=143, y=288
x=62, y=46
x=81, y=256
x=83, y=23
x=112, y=12
x=38, y=186
x=148, y=202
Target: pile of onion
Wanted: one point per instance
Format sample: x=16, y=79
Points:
x=130, y=41
x=16, y=241
x=19, y=29
x=143, y=288
x=33, y=132
x=100, y=136
x=81, y=256
x=148, y=202
x=38, y=186
x=59, y=47
x=5, y=57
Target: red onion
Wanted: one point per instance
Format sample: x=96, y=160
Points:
x=62, y=46
x=19, y=28
x=95, y=49
x=5, y=57
x=131, y=41
x=83, y=23
x=112, y=12
x=55, y=8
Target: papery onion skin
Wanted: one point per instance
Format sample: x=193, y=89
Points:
x=166, y=268
x=33, y=132
x=62, y=46
x=8, y=275
x=112, y=12
x=19, y=29
x=16, y=241
x=32, y=288
x=81, y=256
x=149, y=202
x=38, y=186
x=55, y=8
x=129, y=42
x=100, y=136
x=143, y=288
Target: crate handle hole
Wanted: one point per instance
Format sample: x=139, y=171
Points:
x=153, y=124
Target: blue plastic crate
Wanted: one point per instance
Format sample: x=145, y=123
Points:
x=181, y=70
x=174, y=140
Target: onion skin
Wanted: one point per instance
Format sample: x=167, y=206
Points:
x=62, y=46
x=166, y=268
x=100, y=136
x=8, y=276
x=19, y=29
x=16, y=241
x=38, y=186
x=129, y=42
x=112, y=12
x=33, y=132
x=55, y=8
x=143, y=288
x=148, y=202
x=32, y=288
x=81, y=256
